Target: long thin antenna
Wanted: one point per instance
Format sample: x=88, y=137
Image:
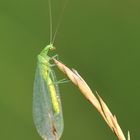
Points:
x=50, y=15
x=59, y=21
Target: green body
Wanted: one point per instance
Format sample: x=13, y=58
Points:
x=47, y=111
x=48, y=76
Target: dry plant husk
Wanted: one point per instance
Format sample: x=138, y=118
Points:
x=97, y=102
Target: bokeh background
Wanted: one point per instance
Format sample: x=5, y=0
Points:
x=101, y=39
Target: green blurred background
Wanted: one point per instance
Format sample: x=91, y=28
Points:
x=101, y=39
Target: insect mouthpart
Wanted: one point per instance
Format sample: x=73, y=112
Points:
x=52, y=47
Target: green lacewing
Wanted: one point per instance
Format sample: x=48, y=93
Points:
x=47, y=110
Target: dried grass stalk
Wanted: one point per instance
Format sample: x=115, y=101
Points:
x=98, y=103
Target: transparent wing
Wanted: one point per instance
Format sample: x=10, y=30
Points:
x=48, y=125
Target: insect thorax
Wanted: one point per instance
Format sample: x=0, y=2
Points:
x=44, y=60
x=43, y=56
